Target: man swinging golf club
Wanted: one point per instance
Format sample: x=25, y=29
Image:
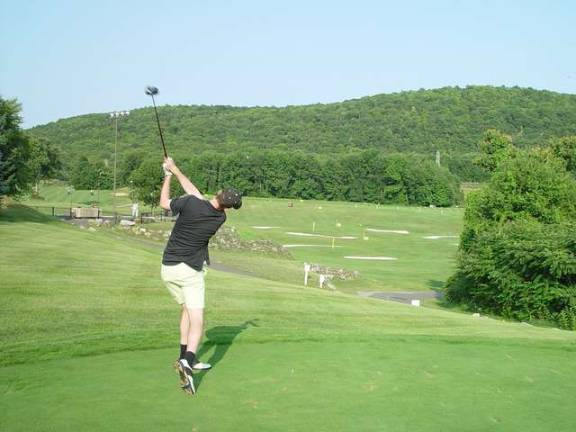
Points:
x=184, y=259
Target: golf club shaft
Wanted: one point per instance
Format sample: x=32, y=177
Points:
x=159, y=128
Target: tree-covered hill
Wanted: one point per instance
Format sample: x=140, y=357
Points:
x=450, y=119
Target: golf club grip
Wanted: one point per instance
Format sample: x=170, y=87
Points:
x=159, y=128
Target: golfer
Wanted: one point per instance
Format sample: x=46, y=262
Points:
x=185, y=256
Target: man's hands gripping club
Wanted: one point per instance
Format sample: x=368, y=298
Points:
x=170, y=169
x=168, y=166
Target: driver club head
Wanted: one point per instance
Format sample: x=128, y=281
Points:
x=151, y=91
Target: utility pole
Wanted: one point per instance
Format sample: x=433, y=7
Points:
x=116, y=115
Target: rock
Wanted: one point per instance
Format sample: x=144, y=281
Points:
x=334, y=273
x=476, y=315
x=127, y=223
x=227, y=238
x=92, y=229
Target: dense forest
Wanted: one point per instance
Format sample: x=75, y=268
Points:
x=450, y=119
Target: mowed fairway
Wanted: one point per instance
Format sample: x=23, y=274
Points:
x=422, y=241
x=89, y=335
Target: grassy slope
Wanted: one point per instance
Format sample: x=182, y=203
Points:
x=88, y=305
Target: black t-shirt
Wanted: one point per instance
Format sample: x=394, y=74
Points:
x=197, y=222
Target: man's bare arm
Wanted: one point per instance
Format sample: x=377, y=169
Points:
x=187, y=185
x=165, y=193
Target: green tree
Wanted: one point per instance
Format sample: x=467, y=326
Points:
x=88, y=175
x=3, y=187
x=528, y=186
x=147, y=182
x=130, y=162
x=495, y=147
x=565, y=149
x=15, y=148
x=44, y=162
x=428, y=184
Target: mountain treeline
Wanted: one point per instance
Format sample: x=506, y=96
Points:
x=451, y=120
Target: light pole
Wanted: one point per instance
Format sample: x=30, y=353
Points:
x=116, y=115
x=70, y=189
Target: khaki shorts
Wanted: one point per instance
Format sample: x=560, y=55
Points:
x=185, y=284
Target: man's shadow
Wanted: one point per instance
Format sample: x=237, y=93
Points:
x=220, y=338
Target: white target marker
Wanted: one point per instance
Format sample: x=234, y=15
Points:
x=372, y=258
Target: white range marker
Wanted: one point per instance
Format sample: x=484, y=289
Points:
x=264, y=227
x=320, y=235
x=374, y=258
x=388, y=231
x=439, y=237
x=307, y=245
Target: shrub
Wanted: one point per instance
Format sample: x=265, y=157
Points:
x=525, y=270
x=518, y=247
x=532, y=185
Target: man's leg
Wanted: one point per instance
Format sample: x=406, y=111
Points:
x=195, y=329
x=184, y=329
x=191, y=327
x=194, y=295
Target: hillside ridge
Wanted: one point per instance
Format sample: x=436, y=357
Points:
x=450, y=119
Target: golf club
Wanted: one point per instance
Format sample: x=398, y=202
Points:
x=151, y=91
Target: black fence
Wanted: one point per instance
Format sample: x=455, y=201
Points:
x=61, y=212
x=113, y=218
x=158, y=217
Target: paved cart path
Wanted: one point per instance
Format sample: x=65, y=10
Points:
x=402, y=296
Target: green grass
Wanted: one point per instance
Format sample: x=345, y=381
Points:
x=421, y=263
x=91, y=313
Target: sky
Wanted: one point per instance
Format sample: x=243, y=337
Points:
x=65, y=58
